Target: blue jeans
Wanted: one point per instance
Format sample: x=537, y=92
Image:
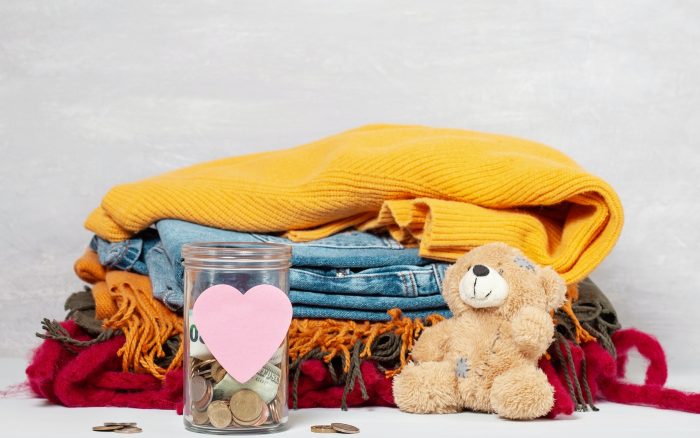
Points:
x=387, y=281
x=362, y=315
x=127, y=255
x=349, y=273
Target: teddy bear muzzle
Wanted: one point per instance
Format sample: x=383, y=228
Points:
x=482, y=286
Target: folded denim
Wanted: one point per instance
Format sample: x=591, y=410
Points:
x=335, y=269
x=166, y=284
x=362, y=315
x=393, y=281
x=358, y=302
x=127, y=255
x=349, y=249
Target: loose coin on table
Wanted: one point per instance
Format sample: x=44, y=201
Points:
x=108, y=428
x=322, y=428
x=118, y=428
x=344, y=428
x=129, y=429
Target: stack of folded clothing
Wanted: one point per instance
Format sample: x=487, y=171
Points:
x=349, y=275
x=374, y=216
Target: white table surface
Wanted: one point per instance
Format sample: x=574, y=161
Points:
x=34, y=417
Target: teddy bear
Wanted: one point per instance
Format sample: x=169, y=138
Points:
x=485, y=357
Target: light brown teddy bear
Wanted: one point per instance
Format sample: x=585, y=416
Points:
x=485, y=357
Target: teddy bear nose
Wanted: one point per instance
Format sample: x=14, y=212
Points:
x=480, y=270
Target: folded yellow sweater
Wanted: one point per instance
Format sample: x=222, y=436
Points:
x=447, y=190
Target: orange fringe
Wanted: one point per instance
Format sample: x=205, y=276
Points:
x=337, y=337
x=582, y=335
x=124, y=301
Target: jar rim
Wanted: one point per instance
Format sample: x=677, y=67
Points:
x=234, y=253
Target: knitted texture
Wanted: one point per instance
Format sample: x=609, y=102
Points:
x=124, y=301
x=447, y=190
x=88, y=267
x=316, y=388
x=592, y=374
x=92, y=376
x=653, y=391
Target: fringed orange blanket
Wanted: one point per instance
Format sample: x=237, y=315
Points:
x=124, y=301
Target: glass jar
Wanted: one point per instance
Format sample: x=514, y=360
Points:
x=215, y=402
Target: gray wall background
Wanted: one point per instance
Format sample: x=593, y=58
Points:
x=94, y=94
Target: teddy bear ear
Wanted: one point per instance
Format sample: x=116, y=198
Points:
x=554, y=287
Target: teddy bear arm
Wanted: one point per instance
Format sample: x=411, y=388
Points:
x=533, y=330
x=432, y=343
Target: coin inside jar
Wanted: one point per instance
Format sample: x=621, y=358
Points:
x=202, y=367
x=199, y=418
x=247, y=407
x=274, y=411
x=219, y=414
x=205, y=398
x=217, y=372
x=198, y=388
x=264, y=416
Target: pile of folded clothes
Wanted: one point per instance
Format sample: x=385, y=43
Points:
x=349, y=275
x=374, y=216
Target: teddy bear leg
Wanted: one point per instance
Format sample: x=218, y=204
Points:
x=522, y=393
x=427, y=388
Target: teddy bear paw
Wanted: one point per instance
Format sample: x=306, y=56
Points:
x=533, y=331
x=522, y=393
x=427, y=388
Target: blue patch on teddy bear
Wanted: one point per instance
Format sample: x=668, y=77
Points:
x=525, y=263
x=461, y=367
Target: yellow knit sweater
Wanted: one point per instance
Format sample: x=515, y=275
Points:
x=447, y=190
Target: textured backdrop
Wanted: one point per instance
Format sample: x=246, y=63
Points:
x=92, y=95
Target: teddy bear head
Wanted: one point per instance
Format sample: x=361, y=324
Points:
x=499, y=278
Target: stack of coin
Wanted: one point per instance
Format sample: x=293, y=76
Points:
x=335, y=428
x=201, y=393
x=275, y=408
x=219, y=401
x=118, y=428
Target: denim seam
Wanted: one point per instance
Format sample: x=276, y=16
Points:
x=391, y=243
x=130, y=257
x=438, y=276
x=388, y=245
x=171, y=304
x=122, y=249
x=413, y=283
x=384, y=274
x=405, y=286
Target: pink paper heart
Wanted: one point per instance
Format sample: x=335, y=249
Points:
x=242, y=331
